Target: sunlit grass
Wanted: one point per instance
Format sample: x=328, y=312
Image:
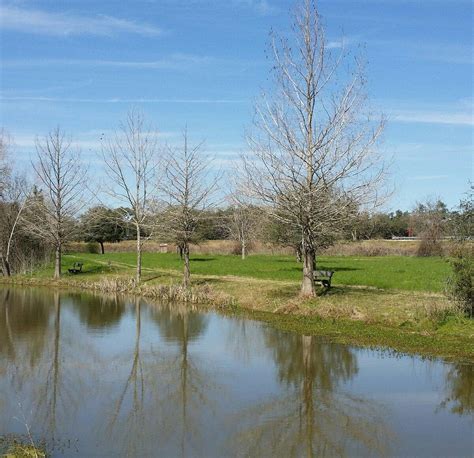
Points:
x=387, y=272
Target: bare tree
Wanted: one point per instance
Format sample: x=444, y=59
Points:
x=243, y=224
x=430, y=221
x=313, y=154
x=131, y=160
x=187, y=188
x=14, y=202
x=62, y=177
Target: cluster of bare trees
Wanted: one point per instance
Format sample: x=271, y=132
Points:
x=161, y=190
x=312, y=161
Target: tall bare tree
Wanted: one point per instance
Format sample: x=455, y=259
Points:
x=188, y=187
x=13, y=203
x=62, y=177
x=313, y=154
x=131, y=158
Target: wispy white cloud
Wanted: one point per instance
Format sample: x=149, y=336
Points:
x=64, y=24
x=341, y=43
x=7, y=98
x=175, y=61
x=428, y=177
x=172, y=62
x=87, y=141
x=263, y=7
x=464, y=118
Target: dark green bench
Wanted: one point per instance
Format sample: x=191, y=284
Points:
x=76, y=268
x=324, y=277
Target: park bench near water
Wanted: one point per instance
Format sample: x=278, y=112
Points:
x=324, y=277
x=76, y=268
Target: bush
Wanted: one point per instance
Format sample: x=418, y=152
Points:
x=93, y=247
x=430, y=247
x=461, y=283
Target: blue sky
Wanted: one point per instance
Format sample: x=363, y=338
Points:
x=83, y=63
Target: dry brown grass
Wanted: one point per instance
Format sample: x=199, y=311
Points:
x=172, y=292
x=227, y=247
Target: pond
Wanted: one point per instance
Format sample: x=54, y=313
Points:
x=99, y=375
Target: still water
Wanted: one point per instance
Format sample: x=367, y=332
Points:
x=111, y=376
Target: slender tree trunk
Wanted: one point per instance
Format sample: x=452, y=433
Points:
x=243, y=248
x=57, y=262
x=102, y=251
x=187, y=271
x=5, y=265
x=308, y=396
x=56, y=361
x=139, y=254
x=299, y=257
x=307, y=287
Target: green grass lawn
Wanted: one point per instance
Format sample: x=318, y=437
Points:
x=387, y=272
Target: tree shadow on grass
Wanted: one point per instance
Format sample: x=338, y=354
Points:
x=89, y=271
x=344, y=290
x=284, y=292
x=335, y=269
x=160, y=275
x=207, y=281
x=202, y=259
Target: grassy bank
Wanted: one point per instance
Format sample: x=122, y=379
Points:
x=385, y=301
x=386, y=272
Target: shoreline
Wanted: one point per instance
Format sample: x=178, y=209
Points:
x=450, y=340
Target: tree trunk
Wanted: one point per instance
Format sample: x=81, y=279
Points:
x=102, y=251
x=243, y=248
x=5, y=266
x=187, y=272
x=307, y=287
x=139, y=255
x=57, y=262
x=299, y=257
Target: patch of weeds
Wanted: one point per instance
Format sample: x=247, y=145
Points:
x=13, y=446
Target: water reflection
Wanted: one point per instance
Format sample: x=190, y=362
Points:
x=459, y=389
x=314, y=414
x=126, y=377
x=24, y=316
x=189, y=382
x=99, y=312
x=50, y=379
x=165, y=390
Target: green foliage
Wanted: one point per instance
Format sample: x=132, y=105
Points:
x=93, y=247
x=378, y=225
x=211, y=225
x=461, y=282
x=101, y=224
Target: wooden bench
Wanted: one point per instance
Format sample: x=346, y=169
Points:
x=76, y=268
x=324, y=277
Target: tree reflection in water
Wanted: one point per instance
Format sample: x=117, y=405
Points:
x=315, y=417
x=73, y=368
x=164, y=392
x=99, y=311
x=49, y=389
x=459, y=389
x=24, y=317
x=188, y=383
